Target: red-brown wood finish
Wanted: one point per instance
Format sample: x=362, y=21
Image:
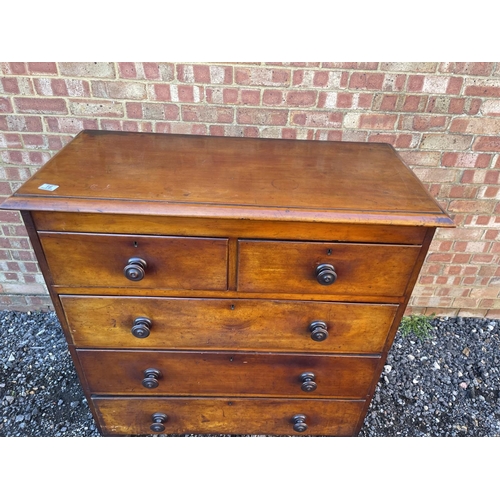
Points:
x=257, y=283
x=254, y=416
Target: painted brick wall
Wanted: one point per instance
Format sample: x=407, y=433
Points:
x=443, y=118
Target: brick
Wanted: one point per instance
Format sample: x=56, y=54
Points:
x=188, y=128
x=153, y=111
x=471, y=206
x=35, y=141
x=70, y=125
x=409, y=67
x=487, y=192
x=119, y=90
x=186, y=93
x=466, y=160
x=40, y=106
x=220, y=95
x=446, y=141
x=454, y=85
x=262, y=77
x=486, y=144
x=414, y=103
x=424, y=122
x=369, y=81
x=273, y=98
x=485, y=126
x=9, y=86
x=88, y=69
x=201, y=73
x=415, y=83
x=5, y=105
x=300, y=98
x=22, y=123
x=482, y=88
x=378, y=121
x=134, y=110
x=62, y=87
x=435, y=174
x=127, y=70
x=351, y=65
x=295, y=98
x=46, y=68
x=14, y=68
x=460, y=192
x=257, y=116
x=438, y=104
x=317, y=119
x=394, y=83
x=211, y=114
x=472, y=68
x=96, y=107
x=491, y=107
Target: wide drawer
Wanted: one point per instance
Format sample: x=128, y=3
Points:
x=80, y=259
x=226, y=374
x=271, y=417
x=178, y=323
x=296, y=267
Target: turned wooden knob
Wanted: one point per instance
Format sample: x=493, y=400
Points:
x=135, y=269
x=299, y=423
x=152, y=375
x=319, y=331
x=308, y=383
x=158, y=420
x=325, y=274
x=141, y=328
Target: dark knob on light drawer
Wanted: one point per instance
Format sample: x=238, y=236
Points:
x=141, y=328
x=325, y=274
x=308, y=383
x=299, y=423
x=152, y=375
x=135, y=269
x=158, y=420
x=319, y=331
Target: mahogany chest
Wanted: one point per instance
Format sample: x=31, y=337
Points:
x=215, y=285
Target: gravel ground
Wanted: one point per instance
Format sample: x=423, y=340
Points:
x=448, y=385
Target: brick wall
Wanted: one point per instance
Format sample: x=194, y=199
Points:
x=443, y=118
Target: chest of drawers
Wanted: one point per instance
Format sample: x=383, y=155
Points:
x=215, y=285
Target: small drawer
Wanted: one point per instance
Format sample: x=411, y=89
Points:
x=227, y=374
x=260, y=325
x=99, y=260
x=270, y=417
x=325, y=268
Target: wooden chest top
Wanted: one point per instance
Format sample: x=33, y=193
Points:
x=261, y=179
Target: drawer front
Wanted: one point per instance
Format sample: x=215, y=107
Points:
x=177, y=323
x=294, y=267
x=226, y=374
x=77, y=259
x=273, y=417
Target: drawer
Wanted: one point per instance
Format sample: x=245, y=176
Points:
x=296, y=267
x=81, y=259
x=178, y=323
x=273, y=417
x=226, y=374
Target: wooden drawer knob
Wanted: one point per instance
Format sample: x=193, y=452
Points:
x=308, y=383
x=299, y=423
x=152, y=375
x=135, y=269
x=158, y=420
x=141, y=328
x=325, y=274
x=319, y=331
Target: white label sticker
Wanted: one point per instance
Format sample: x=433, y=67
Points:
x=48, y=187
